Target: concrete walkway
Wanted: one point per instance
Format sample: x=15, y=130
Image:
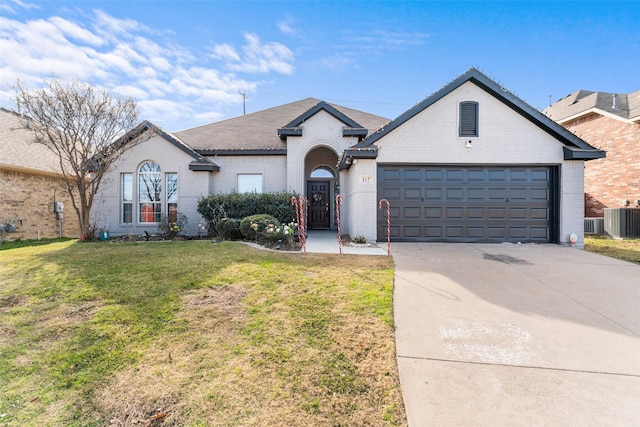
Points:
x=518, y=335
x=326, y=242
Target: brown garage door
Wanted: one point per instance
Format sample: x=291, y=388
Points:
x=467, y=204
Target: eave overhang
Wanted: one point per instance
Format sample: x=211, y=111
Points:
x=244, y=152
x=353, y=153
x=206, y=166
x=573, y=153
x=351, y=128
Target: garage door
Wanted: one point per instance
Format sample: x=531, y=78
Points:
x=467, y=204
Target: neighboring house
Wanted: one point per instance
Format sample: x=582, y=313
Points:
x=471, y=163
x=610, y=122
x=30, y=181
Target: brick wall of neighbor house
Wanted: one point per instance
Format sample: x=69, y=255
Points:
x=615, y=178
x=29, y=197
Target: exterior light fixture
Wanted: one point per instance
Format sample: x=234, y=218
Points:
x=468, y=144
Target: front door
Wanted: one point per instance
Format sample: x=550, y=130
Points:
x=319, y=204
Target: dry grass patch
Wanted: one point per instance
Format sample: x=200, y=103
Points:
x=215, y=335
x=627, y=250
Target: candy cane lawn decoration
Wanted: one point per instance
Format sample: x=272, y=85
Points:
x=388, y=224
x=301, y=212
x=338, y=202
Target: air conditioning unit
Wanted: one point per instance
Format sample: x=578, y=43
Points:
x=593, y=225
x=622, y=222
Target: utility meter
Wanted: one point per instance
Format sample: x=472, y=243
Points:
x=58, y=207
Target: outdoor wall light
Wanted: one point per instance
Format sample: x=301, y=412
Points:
x=468, y=144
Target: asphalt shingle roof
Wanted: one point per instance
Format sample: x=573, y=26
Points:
x=580, y=102
x=17, y=149
x=259, y=130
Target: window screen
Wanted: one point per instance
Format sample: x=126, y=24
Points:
x=249, y=183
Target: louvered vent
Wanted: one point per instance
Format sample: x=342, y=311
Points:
x=468, y=119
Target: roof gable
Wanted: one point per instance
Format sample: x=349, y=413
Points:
x=199, y=162
x=572, y=142
x=352, y=128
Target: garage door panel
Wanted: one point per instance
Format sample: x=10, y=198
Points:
x=412, y=213
x=433, y=193
x=455, y=194
x=391, y=193
x=412, y=193
x=458, y=204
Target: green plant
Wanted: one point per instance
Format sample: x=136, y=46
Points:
x=359, y=240
x=229, y=228
x=236, y=205
x=253, y=225
x=170, y=229
x=284, y=233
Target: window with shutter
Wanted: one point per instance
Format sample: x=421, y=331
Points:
x=468, y=119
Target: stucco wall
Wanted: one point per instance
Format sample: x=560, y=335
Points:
x=572, y=201
x=321, y=130
x=505, y=138
x=360, y=199
x=27, y=201
x=191, y=186
x=272, y=168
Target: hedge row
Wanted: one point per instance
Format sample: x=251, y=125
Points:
x=215, y=207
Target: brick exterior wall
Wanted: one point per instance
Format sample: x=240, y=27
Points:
x=27, y=200
x=615, y=178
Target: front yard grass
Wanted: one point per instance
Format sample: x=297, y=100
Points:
x=627, y=250
x=195, y=334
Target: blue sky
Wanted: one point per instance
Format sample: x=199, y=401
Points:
x=186, y=62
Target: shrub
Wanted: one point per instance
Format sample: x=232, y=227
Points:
x=229, y=228
x=284, y=233
x=237, y=205
x=253, y=224
x=171, y=229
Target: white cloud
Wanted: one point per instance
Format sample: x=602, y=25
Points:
x=11, y=6
x=367, y=44
x=170, y=82
x=256, y=57
x=226, y=52
x=285, y=26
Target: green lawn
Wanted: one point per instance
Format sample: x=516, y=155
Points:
x=195, y=334
x=627, y=250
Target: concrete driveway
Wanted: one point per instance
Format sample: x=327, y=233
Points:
x=508, y=334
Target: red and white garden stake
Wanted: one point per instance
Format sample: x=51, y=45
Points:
x=388, y=223
x=338, y=202
x=301, y=213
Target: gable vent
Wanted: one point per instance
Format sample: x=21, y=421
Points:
x=468, y=119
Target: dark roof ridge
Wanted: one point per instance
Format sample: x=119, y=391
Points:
x=496, y=90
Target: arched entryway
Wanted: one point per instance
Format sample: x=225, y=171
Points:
x=322, y=184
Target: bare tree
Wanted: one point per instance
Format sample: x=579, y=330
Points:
x=86, y=128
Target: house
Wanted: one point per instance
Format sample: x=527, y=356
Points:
x=610, y=122
x=470, y=163
x=30, y=183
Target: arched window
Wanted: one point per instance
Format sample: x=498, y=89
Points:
x=150, y=192
x=323, y=172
